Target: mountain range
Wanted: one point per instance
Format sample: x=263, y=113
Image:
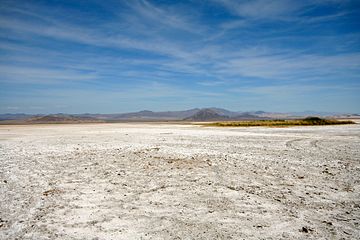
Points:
x=196, y=114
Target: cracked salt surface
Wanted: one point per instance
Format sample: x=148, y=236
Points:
x=166, y=181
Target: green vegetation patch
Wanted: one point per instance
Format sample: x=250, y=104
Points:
x=310, y=121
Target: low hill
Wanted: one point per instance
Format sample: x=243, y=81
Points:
x=214, y=114
x=60, y=118
x=146, y=114
x=247, y=116
x=15, y=116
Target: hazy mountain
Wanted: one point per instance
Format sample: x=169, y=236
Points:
x=248, y=116
x=60, y=118
x=224, y=112
x=16, y=116
x=313, y=113
x=158, y=115
x=195, y=114
x=145, y=115
x=216, y=114
x=207, y=114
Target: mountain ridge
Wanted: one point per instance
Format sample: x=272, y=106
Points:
x=194, y=114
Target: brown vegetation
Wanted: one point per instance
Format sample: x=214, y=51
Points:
x=310, y=121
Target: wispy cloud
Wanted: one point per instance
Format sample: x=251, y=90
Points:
x=18, y=75
x=196, y=50
x=295, y=90
x=263, y=8
x=286, y=10
x=292, y=67
x=158, y=18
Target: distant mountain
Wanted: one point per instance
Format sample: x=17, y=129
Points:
x=313, y=113
x=60, y=118
x=207, y=114
x=248, y=116
x=16, y=116
x=144, y=115
x=195, y=114
x=211, y=114
x=169, y=115
x=224, y=112
x=259, y=112
x=141, y=114
x=357, y=116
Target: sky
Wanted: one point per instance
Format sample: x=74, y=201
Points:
x=114, y=56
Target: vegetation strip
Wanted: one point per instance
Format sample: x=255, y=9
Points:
x=310, y=121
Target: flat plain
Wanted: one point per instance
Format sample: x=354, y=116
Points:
x=169, y=181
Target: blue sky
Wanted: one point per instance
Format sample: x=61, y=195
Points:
x=120, y=56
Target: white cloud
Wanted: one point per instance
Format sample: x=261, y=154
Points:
x=286, y=10
x=12, y=108
x=149, y=15
x=17, y=74
x=263, y=8
x=146, y=29
x=292, y=67
x=293, y=89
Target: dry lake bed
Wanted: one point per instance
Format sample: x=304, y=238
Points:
x=167, y=181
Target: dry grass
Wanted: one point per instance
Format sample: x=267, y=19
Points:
x=311, y=121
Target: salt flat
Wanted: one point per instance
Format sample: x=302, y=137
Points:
x=167, y=181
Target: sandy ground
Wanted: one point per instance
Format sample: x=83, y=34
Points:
x=153, y=181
